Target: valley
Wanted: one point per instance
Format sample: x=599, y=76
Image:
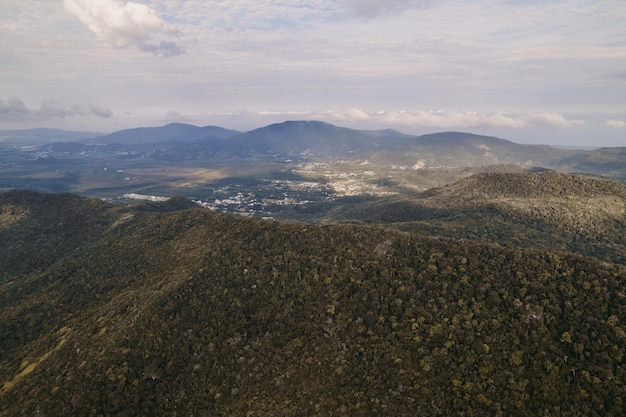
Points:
x=186, y=160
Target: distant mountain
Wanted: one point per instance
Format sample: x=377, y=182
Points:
x=43, y=135
x=318, y=141
x=132, y=311
x=172, y=132
x=350, y=161
x=457, y=149
x=605, y=161
x=313, y=138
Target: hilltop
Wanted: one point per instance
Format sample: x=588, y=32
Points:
x=537, y=209
x=173, y=132
x=34, y=236
x=164, y=309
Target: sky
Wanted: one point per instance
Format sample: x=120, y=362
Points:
x=551, y=72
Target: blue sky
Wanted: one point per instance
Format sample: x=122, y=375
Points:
x=533, y=72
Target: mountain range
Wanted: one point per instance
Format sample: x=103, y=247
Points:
x=318, y=140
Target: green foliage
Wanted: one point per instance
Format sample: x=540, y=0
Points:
x=38, y=229
x=196, y=313
x=547, y=210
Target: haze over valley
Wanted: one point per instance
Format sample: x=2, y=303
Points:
x=294, y=162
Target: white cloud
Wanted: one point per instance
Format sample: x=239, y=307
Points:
x=450, y=120
x=174, y=116
x=171, y=115
x=357, y=114
x=550, y=120
x=99, y=111
x=454, y=119
x=125, y=24
x=618, y=124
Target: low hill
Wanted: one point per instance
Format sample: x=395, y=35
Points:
x=192, y=312
x=541, y=209
x=541, y=184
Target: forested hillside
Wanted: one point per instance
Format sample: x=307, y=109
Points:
x=543, y=209
x=37, y=229
x=162, y=312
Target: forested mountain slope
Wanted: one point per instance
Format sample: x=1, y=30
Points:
x=537, y=209
x=37, y=229
x=191, y=312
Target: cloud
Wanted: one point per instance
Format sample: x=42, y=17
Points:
x=165, y=48
x=357, y=114
x=13, y=108
x=550, y=120
x=52, y=109
x=373, y=8
x=174, y=116
x=125, y=24
x=453, y=119
x=100, y=111
x=618, y=124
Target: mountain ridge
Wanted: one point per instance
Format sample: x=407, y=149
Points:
x=193, y=312
x=302, y=136
x=296, y=137
x=578, y=213
x=348, y=161
x=325, y=139
x=170, y=132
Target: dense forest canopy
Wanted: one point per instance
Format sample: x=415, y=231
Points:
x=163, y=309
